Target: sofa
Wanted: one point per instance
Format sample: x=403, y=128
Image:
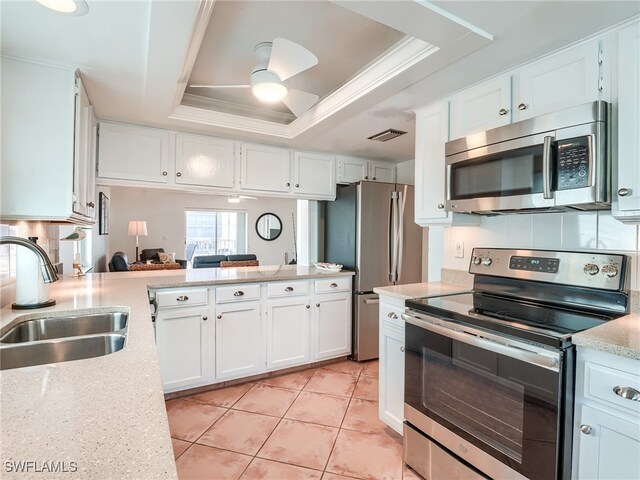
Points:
x=213, y=261
x=152, y=254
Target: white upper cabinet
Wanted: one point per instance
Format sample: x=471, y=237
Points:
x=482, y=107
x=204, y=161
x=314, y=174
x=557, y=82
x=130, y=152
x=626, y=195
x=382, y=172
x=351, y=169
x=264, y=168
x=46, y=144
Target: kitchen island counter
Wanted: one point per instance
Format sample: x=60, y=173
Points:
x=105, y=416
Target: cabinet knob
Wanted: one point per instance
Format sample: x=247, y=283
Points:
x=308, y=306
x=334, y=285
x=402, y=348
x=623, y=192
x=90, y=204
x=317, y=304
x=586, y=429
x=297, y=185
x=205, y=318
x=522, y=106
x=440, y=206
x=164, y=174
x=219, y=317
x=366, y=177
x=288, y=289
x=182, y=298
x=503, y=112
x=373, y=178
x=178, y=174
x=239, y=293
x=628, y=393
x=288, y=184
x=392, y=315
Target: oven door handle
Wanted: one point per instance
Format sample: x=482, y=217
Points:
x=487, y=341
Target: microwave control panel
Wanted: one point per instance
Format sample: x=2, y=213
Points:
x=573, y=163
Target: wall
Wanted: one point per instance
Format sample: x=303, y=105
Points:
x=581, y=231
x=164, y=213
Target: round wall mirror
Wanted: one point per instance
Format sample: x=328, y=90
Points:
x=268, y=226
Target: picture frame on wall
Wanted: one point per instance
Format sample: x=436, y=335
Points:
x=103, y=214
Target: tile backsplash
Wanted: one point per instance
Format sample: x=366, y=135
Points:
x=583, y=231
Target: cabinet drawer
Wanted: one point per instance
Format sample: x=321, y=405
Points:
x=333, y=285
x=181, y=298
x=287, y=289
x=391, y=314
x=238, y=293
x=600, y=382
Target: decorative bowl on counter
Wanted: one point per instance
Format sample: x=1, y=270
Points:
x=328, y=267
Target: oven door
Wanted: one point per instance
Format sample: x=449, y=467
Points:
x=498, y=404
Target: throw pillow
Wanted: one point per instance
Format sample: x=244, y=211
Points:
x=167, y=257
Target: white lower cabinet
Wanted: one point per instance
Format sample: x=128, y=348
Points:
x=391, y=381
x=288, y=329
x=239, y=340
x=606, y=434
x=185, y=344
x=331, y=325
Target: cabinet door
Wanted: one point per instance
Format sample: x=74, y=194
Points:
x=92, y=201
x=129, y=152
x=288, y=324
x=432, y=132
x=264, y=168
x=382, y=172
x=239, y=340
x=352, y=169
x=82, y=151
x=314, y=174
x=204, y=161
x=482, y=107
x=331, y=325
x=391, y=384
x=626, y=197
x=184, y=340
x=610, y=450
x=557, y=82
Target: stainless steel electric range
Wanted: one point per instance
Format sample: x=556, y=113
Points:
x=489, y=374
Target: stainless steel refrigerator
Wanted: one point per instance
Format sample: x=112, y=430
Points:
x=370, y=229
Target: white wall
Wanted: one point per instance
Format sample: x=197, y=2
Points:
x=164, y=213
x=406, y=172
x=579, y=231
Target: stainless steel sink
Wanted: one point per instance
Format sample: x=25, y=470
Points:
x=55, y=351
x=62, y=327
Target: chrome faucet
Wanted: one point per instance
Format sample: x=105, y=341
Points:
x=49, y=273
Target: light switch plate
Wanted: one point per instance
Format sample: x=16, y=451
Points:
x=459, y=250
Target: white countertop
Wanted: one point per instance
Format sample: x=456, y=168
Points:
x=417, y=290
x=620, y=337
x=106, y=414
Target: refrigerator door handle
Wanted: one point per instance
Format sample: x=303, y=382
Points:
x=400, y=216
x=393, y=238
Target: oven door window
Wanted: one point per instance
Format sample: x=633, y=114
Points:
x=504, y=406
x=515, y=172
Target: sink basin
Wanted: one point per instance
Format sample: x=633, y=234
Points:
x=55, y=351
x=61, y=327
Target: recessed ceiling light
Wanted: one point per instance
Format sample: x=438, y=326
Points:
x=70, y=7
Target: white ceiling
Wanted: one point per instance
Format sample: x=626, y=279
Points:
x=133, y=56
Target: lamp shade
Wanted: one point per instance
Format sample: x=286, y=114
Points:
x=137, y=227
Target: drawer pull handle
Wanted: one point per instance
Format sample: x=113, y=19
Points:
x=288, y=289
x=334, y=285
x=239, y=293
x=586, y=429
x=627, y=393
x=522, y=106
x=503, y=111
x=182, y=298
x=392, y=315
x=623, y=192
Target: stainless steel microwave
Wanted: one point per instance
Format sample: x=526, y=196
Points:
x=555, y=162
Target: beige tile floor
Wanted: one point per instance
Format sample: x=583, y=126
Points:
x=320, y=423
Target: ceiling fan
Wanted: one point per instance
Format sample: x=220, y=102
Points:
x=279, y=61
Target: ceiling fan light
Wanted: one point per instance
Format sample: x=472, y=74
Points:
x=233, y=199
x=72, y=7
x=269, y=92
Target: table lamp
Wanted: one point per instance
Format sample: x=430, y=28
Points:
x=137, y=228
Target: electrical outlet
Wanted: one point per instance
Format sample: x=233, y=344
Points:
x=459, y=250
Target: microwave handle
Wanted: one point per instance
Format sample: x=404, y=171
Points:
x=546, y=168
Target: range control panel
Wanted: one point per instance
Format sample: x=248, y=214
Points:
x=573, y=161
x=595, y=270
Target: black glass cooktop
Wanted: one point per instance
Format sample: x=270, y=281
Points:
x=536, y=322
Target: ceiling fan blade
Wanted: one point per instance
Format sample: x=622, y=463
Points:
x=220, y=86
x=288, y=58
x=299, y=102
